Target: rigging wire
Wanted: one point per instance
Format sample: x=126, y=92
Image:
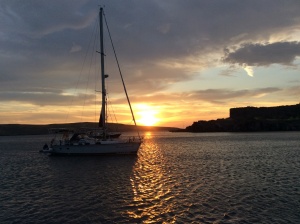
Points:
x=120, y=72
x=80, y=74
x=89, y=74
x=113, y=116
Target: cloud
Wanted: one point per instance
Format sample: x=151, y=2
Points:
x=38, y=18
x=44, y=97
x=159, y=43
x=293, y=91
x=220, y=96
x=249, y=70
x=263, y=54
x=213, y=96
x=75, y=48
x=168, y=30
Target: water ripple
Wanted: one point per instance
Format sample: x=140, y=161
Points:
x=175, y=178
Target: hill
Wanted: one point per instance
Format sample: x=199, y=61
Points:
x=28, y=129
x=280, y=118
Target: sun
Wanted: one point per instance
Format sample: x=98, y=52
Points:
x=146, y=116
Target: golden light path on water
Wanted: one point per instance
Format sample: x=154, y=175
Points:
x=152, y=186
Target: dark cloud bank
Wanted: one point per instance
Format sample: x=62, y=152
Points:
x=37, y=38
x=264, y=54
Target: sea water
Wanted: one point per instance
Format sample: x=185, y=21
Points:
x=175, y=178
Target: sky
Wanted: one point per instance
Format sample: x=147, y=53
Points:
x=182, y=60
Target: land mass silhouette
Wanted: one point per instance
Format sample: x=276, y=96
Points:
x=249, y=119
x=29, y=129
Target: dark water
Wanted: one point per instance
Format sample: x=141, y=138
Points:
x=175, y=178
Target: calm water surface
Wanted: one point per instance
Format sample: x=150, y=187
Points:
x=175, y=178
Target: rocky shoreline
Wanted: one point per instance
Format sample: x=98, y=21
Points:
x=248, y=119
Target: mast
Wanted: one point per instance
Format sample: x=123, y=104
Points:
x=103, y=110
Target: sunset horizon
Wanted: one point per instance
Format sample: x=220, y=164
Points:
x=182, y=63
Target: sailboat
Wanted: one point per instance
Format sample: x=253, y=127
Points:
x=82, y=143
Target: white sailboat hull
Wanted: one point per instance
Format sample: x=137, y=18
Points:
x=96, y=149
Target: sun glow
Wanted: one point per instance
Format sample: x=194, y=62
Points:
x=146, y=115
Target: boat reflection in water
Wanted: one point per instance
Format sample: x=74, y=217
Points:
x=152, y=186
